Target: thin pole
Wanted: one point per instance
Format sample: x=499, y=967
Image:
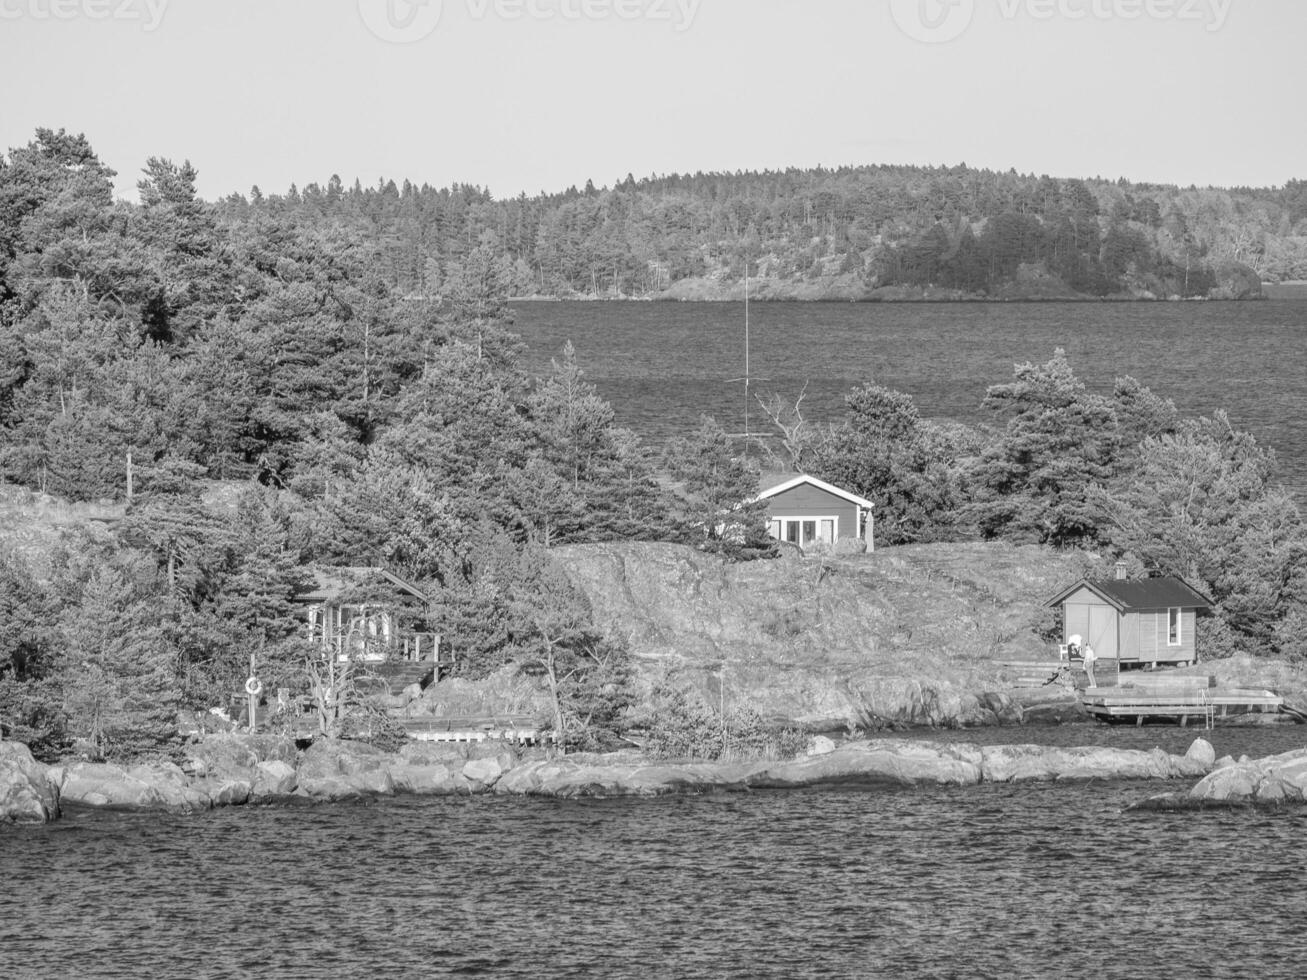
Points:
x=746, y=356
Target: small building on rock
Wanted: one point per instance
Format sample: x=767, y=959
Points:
x=1148, y=622
x=804, y=510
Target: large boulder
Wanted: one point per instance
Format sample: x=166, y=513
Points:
x=337, y=769
x=151, y=786
x=28, y=791
x=237, y=754
x=484, y=772
x=272, y=780
x=1277, y=779
x=1020, y=763
x=572, y=777
x=892, y=762
x=1202, y=752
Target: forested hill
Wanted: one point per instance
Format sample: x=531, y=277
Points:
x=888, y=232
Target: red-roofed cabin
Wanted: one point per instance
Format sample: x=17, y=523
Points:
x=1140, y=622
x=804, y=510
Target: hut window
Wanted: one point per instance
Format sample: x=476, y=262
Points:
x=1173, y=627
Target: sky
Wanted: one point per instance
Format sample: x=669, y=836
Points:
x=539, y=95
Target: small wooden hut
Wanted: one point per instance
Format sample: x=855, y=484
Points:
x=1147, y=622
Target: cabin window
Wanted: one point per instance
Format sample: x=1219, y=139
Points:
x=1173, y=627
x=804, y=530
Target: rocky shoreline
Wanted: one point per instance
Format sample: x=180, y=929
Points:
x=234, y=770
x=1275, y=780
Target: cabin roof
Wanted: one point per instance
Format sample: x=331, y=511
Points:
x=1141, y=593
x=791, y=481
x=330, y=583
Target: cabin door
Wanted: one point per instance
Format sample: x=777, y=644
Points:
x=1102, y=631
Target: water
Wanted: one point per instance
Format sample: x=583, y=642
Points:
x=661, y=364
x=1028, y=880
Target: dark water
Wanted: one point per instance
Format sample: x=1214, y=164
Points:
x=661, y=364
x=1033, y=880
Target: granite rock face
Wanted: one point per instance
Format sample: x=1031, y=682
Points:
x=28, y=791
x=898, y=637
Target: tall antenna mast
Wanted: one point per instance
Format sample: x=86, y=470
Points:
x=746, y=354
x=748, y=378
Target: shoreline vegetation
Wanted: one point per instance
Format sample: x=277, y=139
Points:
x=204, y=405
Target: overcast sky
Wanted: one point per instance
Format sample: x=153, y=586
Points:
x=530, y=95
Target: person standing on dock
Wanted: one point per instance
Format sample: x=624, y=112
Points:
x=1090, y=657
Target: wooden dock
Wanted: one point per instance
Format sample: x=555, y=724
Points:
x=1172, y=703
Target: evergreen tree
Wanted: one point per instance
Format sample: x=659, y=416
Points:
x=1034, y=482
x=118, y=672
x=720, y=509
x=1202, y=505
x=884, y=451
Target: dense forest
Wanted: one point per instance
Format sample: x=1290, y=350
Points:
x=859, y=232
x=154, y=352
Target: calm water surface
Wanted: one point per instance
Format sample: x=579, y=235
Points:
x=1034, y=880
x=661, y=364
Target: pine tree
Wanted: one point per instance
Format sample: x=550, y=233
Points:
x=1033, y=482
x=118, y=672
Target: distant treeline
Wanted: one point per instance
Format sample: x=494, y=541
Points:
x=851, y=231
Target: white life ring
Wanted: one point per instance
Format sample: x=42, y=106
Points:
x=253, y=687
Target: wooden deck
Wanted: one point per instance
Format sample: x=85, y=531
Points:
x=519, y=729
x=1201, y=703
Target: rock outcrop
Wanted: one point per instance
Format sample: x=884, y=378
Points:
x=899, y=637
x=892, y=762
x=1275, y=780
x=334, y=769
x=263, y=764
x=338, y=770
x=151, y=786
x=29, y=793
